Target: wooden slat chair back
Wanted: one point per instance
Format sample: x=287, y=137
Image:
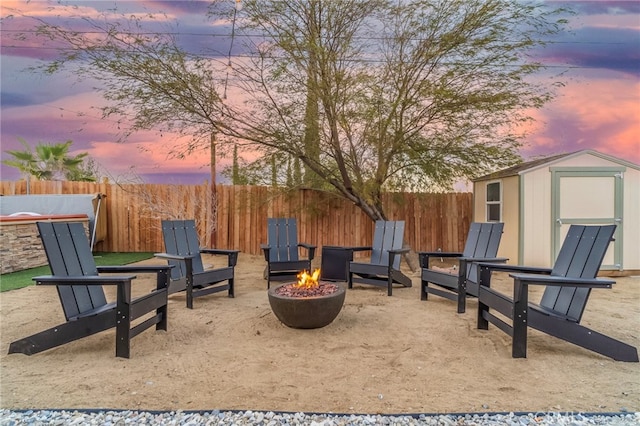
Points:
x=383, y=268
x=184, y=254
x=181, y=238
x=387, y=236
x=68, y=253
x=580, y=256
x=83, y=299
x=282, y=236
x=568, y=286
x=281, y=252
x=483, y=241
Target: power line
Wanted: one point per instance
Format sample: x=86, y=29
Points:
x=249, y=35
x=351, y=60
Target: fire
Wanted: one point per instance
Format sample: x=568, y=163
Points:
x=306, y=280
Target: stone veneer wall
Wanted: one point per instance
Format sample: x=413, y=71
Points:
x=21, y=248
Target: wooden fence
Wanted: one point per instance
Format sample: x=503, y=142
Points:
x=133, y=213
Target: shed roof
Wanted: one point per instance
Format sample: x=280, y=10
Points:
x=534, y=164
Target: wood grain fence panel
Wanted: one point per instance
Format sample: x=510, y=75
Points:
x=222, y=213
x=133, y=216
x=221, y=232
x=253, y=218
x=245, y=229
x=432, y=220
x=121, y=220
x=228, y=208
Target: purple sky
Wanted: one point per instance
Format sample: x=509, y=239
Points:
x=598, y=108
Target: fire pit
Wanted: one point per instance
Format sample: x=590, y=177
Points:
x=308, y=303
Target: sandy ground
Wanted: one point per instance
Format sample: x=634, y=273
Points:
x=381, y=355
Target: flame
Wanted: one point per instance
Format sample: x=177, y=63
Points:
x=306, y=280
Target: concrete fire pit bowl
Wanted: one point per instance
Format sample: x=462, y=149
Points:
x=307, y=311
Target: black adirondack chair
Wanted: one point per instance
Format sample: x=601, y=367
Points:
x=456, y=284
x=383, y=269
x=281, y=251
x=183, y=252
x=83, y=299
x=568, y=286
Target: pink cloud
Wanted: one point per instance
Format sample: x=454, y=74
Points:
x=144, y=152
x=600, y=114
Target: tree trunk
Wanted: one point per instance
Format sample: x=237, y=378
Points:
x=212, y=149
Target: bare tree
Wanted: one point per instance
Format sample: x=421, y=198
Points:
x=376, y=96
x=368, y=95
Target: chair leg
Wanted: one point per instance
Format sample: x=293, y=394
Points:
x=162, y=324
x=520, y=314
x=189, y=282
x=484, y=280
x=482, y=323
x=231, y=288
x=389, y=285
x=424, y=295
x=462, y=288
x=189, y=294
x=123, y=321
x=350, y=280
x=462, y=296
x=163, y=281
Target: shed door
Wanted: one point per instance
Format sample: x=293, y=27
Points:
x=588, y=196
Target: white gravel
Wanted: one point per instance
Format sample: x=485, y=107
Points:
x=270, y=418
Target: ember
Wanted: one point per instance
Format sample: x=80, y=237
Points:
x=307, y=286
x=293, y=290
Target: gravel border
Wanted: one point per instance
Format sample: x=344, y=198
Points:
x=271, y=418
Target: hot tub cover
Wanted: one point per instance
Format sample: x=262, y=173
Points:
x=51, y=204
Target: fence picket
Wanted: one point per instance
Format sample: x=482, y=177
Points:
x=432, y=220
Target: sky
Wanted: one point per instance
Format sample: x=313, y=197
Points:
x=598, y=107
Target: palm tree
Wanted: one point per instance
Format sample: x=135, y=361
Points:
x=55, y=163
x=24, y=161
x=50, y=162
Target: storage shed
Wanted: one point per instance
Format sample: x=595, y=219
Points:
x=538, y=200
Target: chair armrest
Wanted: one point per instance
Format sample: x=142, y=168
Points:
x=266, y=249
x=555, y=280
x=439, y=254
x=310, y=248
x=423, y=256
x=350, y=248
x=174, y=256
x=82, y=279
x=392, y=256
x=162, y=272
x=484, y=259
x=220, y=252
x=513, y=268
x=400, y=251
x=133, y=268
x=232, y=255
x=485, y=269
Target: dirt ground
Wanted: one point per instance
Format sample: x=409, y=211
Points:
x=381, y=355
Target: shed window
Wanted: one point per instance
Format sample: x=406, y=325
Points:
x=494, y=202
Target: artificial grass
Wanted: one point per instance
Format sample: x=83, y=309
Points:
x=22, y=278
